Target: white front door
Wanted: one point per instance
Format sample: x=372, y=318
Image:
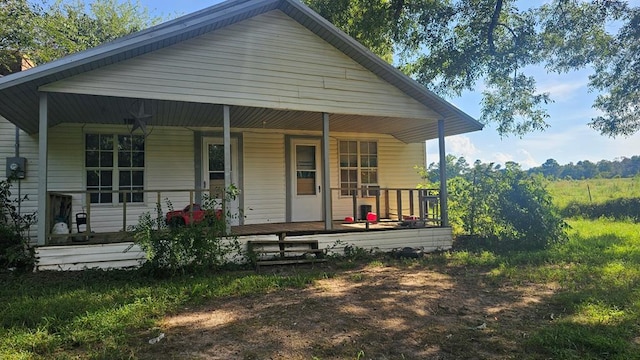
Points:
x=213, y=173
x=306, y=190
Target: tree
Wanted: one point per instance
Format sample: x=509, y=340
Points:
x=66, y=27
x=452, y=46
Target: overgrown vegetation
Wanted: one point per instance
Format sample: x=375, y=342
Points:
x=503, y=207
x=205, y=245
x=15, y=250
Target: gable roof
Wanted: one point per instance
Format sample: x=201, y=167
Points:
x=19, y=91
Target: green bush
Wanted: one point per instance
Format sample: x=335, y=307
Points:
x=503, y=207
x=15, y=250
x=196, y=247
x=617, y=209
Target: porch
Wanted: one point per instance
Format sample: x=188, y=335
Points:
x=72, y=218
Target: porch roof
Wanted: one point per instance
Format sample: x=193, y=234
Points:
x=19, y=92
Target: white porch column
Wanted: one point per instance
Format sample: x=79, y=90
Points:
x=226, y=135
x=444, y=210
x=326, y=178
x=43, y=199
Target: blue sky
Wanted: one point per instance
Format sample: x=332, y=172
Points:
x=568, y=139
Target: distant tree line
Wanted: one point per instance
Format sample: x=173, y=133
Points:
x=605, y=169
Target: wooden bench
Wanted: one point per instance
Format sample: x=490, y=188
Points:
x=284, y=252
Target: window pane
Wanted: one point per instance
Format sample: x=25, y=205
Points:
x=216, y=158
x=125, y=179
x=92, y=142
x=373, y=161
x=106, y=159
x=353, y=161
x=137, y=143
x=353, y=147
x=92, y=159
x=137, y=179
x=138, y=159
x=124, y=159
x=124, y=142
x=106, y=142
x=94, y=198
x=106, y=179
x=93, y=178
x=305, y=157
x=344, y=147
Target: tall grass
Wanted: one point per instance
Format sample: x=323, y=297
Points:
x=595, y=191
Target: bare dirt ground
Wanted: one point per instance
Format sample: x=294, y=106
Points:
x=371, y=312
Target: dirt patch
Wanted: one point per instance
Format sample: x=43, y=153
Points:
x=367, y=313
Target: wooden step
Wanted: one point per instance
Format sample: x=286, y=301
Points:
x=288, y=262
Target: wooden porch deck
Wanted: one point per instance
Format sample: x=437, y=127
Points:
x=312, y=227
x=291, y=229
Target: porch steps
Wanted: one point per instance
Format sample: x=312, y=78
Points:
x=285, y=252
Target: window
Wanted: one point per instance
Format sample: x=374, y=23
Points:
x=358, y=166
x=114, y=162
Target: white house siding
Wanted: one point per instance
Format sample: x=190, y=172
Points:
x=264, y=177
x=28, y=150
x=257, y=62
x=427, y=239
x=169, y=165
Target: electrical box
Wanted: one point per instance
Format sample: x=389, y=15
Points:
x=16, y=166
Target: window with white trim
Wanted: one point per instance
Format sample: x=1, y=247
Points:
x=114, y=162
x=358, y=165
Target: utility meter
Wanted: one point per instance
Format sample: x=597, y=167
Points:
x=16, y=166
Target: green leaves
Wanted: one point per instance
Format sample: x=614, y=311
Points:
x=43, y=35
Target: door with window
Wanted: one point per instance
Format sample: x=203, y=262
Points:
x=306, y=189
x=213, y=173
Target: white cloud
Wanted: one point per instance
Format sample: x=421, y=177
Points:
x=460, y=145
x=563, y=91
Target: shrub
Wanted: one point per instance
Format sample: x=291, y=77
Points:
x=196, y=247
x=15, y=250
x=504, y=207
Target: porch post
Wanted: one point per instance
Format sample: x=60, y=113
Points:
x=226, y=131
x=326, y=178
x=42, y=169
x=444, y=210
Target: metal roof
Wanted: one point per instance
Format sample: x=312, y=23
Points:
x=19, y=91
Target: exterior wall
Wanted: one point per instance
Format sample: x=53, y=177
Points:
x=28, y=150
x=267, y=61
x=127, y=255
x=264, y=187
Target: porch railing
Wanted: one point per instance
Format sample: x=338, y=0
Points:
x=111, y=221
x=399, y=204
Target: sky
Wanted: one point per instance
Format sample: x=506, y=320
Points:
x=568, y=139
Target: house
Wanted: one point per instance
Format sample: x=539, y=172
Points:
x=264, y=95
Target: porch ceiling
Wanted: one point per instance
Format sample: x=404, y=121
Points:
x=87, y=109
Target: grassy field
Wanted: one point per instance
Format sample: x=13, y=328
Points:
x=593, y=313
x=593, y=190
